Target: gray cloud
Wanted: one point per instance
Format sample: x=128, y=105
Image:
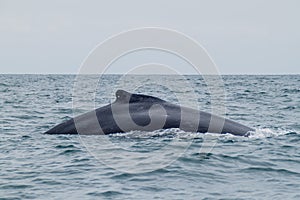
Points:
x=241, y=36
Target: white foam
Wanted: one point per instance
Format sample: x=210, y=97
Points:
x=267, y=132
x=177, y=133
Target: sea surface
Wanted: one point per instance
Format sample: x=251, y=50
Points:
x=141, y=165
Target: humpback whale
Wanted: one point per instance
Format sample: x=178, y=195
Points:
x=147, y=113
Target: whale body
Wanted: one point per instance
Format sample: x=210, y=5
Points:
x=147, y=113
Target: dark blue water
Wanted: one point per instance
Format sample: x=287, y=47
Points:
x=265, y=165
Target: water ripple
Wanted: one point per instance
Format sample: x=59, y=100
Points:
x=262, y=166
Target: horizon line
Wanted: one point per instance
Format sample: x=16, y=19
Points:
x=254, y=74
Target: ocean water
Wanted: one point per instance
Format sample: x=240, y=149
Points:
x=265, y=165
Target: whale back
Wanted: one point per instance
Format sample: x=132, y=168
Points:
x=139, y=106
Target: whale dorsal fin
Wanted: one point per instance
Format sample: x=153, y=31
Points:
x=122, y=96
x=127, y=97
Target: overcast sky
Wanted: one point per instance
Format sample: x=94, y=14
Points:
x=242, y=37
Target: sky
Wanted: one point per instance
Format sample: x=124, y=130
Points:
x=241, y=36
